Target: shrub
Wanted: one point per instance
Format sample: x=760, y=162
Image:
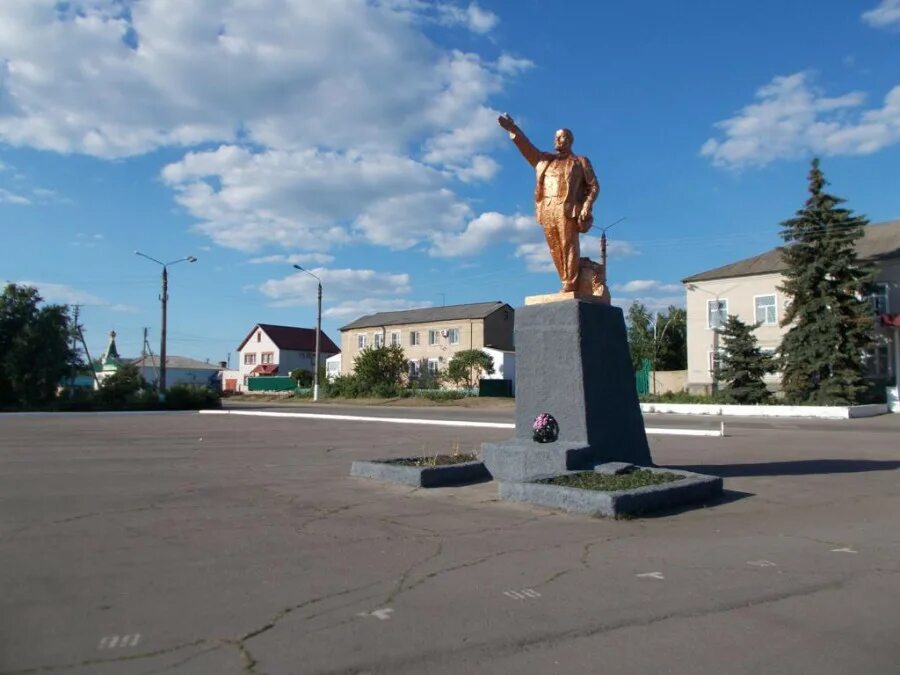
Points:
x=191, y=397
x=120, y=388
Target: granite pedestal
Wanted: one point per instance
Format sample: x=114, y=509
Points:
x=572, y=361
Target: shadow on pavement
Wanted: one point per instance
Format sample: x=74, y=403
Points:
x=793, y=468
x=727, y=497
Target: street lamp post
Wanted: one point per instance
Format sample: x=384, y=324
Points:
x=656, y=341
x=318, y=331
x=164, y=298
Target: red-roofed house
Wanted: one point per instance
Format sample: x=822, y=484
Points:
x=277, y=350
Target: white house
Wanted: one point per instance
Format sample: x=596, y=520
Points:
x=504, y=365
x=277, y=350
x=332, y=367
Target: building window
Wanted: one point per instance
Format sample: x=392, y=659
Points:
x=433, y=336
x=766, y=311
x=267, y=357
x=453, y=336
x=395, y=339
x=414, y=338
x=259, y=336
x=249, y=359
x=433, y=366
x=413, y=370
x=361, y=341
x=715, y=362
x=878, y=361
x=716, y=313
x=879, y=299
x=379, y=340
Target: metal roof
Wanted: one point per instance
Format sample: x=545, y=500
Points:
x=175, y=362
x=293, y=338
x=478, y=310
x=879, y=242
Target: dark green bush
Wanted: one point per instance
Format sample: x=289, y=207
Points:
x=191, y=397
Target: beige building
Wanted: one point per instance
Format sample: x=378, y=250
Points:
x=749, y=289
x=432, y=335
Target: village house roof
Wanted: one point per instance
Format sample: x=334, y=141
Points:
x=478, y=310
x=880, y=241
x=293, y=338
x=183, y=362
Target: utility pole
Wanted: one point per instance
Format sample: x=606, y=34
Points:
x=603, y=248
x=74, y=350
x=164, y=298
x=318, y=330
x=88, y=354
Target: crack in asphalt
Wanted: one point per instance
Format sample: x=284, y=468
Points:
x=439, y=549
x=98, y=662
x=510, y=647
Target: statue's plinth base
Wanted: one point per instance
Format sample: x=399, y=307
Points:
x=561, y=296
x=572, y=361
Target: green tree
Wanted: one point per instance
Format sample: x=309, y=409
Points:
x=123, y=385
x=742, y=364
x=640, y=334
x=671, y=339
x=36, y=353
x=380, y=371
x=468, y=366
x=830, y=322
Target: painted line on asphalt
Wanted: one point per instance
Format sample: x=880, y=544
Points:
x=433, y=422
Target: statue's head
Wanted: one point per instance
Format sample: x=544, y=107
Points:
x=563, y=140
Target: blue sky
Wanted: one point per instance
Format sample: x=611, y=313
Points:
x=359, y=140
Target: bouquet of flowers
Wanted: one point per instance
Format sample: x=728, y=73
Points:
x=545, y=428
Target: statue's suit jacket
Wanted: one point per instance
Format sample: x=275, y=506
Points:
x=579, y=182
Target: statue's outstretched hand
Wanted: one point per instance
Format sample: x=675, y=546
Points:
x=507, y=123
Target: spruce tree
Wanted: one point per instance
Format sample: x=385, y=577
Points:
x=742, y=364
x=830, y=322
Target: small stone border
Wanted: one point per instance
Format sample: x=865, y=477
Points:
x=421, y=476
x=693, y=488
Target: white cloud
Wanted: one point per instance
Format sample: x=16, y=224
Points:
x=792, y=118
x=472, y=17
x=537, y=257
x=67, y=295
x=352, y=309
x=338, y=285
x=652, y=303
x=294, y=259
x=885, y=15
x=485, y=230
x=645, y=285
x=7, y=197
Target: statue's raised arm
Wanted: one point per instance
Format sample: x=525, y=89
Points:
x=526, y=147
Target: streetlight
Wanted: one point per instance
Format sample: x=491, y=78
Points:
x=715, y=329
x=656, y=341
x=164, y=297
x=318, y=332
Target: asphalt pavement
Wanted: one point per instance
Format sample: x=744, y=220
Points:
x=224, y=544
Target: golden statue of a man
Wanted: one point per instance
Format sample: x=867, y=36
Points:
x=563, y=197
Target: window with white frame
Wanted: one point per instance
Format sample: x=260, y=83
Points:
x=433, y=336
x=716, y=313
x=766, y=312
x=433, y=366
x=267, y=357
x=878, y=361
x=413, y=370
x=250, y=359
x=395, y=338
x=379, y=340
x=453, y=336
x=361, y=341
x=414, y=338
x=879, y=298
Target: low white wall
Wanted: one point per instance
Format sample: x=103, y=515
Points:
x=821, y=412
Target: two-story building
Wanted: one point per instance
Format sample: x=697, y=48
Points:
x=432, y=335
x=749, y=289
x=277, y=350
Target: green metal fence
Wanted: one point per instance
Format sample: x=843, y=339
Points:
x=271, y=383
x=642, y=378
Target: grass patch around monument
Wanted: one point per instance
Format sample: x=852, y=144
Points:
x=434, y=460
x=590, y=480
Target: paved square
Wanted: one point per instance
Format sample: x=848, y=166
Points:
x=201, y=544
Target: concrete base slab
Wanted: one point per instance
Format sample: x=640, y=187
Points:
x=421, y=476
x=521, y=460
x=693, y=488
